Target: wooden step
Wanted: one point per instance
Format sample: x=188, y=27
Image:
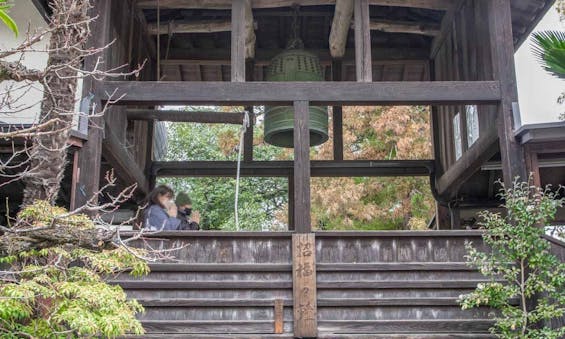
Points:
x=321, y=267
x=320, y=336
x=427, y=326
x=463, y=328
x=281, y=284
x=394, y=266
x=237, y=267
x=322, y=302
x=206, y=285
x=213, y=326
x=401, y=284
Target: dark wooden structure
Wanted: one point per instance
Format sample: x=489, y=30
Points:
x=453, y=55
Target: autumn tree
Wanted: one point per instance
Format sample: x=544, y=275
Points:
x=376, y=133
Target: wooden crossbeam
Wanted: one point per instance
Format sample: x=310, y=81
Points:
x=347, y=168
x=405, y=27
x=123, y=162
x=284, y=93
x=469, y=163
x=208, y=26
x=226, y=4
x=221, y=56
x=207, y=117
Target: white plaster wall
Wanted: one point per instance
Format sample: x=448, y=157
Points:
x=26, y=109
x=537, y=89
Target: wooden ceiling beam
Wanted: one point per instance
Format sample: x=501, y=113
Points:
x=208, y=26
x=221, y=56
x=226, y=4
x=205, y=117
x=343, y=15
x=405, y=27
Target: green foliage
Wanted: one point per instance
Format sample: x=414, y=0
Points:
x=260, y=198
x=60, y=292
x=337, y=203
x=549, y=48
x=520, y=266
x=5, y=18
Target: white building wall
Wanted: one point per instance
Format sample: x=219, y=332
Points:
x=27, y=107
x=537, y=89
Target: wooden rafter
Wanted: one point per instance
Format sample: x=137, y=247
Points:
x=340, y=27
x=405, y=27
x=226, y=4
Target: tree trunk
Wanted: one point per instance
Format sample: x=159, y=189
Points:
x=49, y=151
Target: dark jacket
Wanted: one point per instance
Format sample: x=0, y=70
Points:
x=156, y=218
x=185, y=223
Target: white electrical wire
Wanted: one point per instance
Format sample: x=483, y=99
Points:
x=242, y=131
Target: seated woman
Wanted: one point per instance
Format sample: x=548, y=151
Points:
x=189, y=219
x=161, y=211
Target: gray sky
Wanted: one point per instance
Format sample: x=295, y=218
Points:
x=538, y=90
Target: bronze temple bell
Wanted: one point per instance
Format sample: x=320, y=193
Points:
x=294, y=64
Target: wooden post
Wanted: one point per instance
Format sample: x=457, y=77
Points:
x=279, y=316
x=301, y=167
x=149, y=153
x=502, y=52
x=248, y=137
x=443, y=217
x=337, y=115
x=363, y=65
x=238, y=41
x=304, y=285
x=89, y=156
x=291, y=203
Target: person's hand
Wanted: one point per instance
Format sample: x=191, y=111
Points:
x=195, y=217
x=172, y=210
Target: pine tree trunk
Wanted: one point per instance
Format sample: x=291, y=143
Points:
x=49, y=152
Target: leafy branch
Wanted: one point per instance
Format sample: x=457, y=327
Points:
x=527, y=282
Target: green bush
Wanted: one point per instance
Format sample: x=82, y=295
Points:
x=527, y=282
x=60, y=292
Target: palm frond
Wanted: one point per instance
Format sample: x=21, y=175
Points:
x=5, y=18
x=549, y=48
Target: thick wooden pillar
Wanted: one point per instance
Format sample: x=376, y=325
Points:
x=502, y=52
x=363, y=64
x=443, y=217
x=304, y=285
x=337, y=115
x=301, y=167
x=238, y=41
x=89, y=156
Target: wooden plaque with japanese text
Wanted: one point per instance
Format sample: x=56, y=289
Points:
x=304, y=285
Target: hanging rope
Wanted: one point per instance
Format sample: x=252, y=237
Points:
x=242, y=132
x=158, y=40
